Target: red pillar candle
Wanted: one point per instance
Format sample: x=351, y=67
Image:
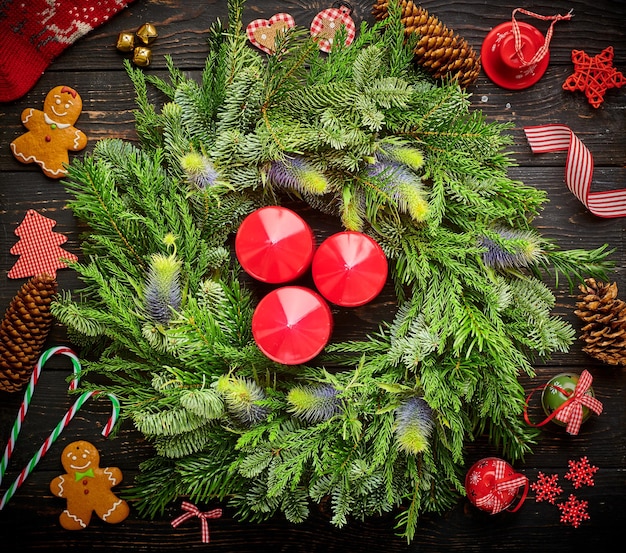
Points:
x=292, y=324
x=274, y=245
x=349, y=269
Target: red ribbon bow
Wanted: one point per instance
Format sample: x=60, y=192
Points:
x=494, y=499
x=193, y=511
x=571, y=411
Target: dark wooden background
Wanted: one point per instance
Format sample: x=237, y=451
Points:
x=94, y=67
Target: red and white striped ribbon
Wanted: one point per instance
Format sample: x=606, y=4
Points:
x=578, y=168
x=543, y=49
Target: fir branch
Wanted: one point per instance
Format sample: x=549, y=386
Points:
x=177, y=77
x=183, y=444
x=146, y=119
x=169, y=422
x=156, y=487
x=576, y=265
x=92, y=184
x=197, y=113
x=79, y=318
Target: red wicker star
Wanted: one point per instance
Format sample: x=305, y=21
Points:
x=594, y=75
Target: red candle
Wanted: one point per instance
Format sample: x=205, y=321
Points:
x=274, y=245
x=349, y=269
x=292, y=324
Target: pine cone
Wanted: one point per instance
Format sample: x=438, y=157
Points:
x=24, y=330
x=442, y=53
x=605, y=315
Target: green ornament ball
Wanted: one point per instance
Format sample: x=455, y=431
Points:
x=558, y=390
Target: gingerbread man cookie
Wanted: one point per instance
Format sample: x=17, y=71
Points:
x=87, y=488
x=51, y=134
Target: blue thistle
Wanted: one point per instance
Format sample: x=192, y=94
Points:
x=296, y=173
x=414, y=424
x=407, y=155
x=162, y=293
x=352, y=209
x=199, y=170
x=241, y=396
x=402, y=185
x=522, y=251
x=314, y=403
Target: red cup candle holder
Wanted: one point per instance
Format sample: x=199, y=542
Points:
x=274, y=245
x=349, y=269
x=291, y=325
x=501, y=61
x=492, y=485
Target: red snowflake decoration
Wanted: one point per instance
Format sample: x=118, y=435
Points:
x=581, y=472
x=546, y=487
x=594, y=75
x=573, y=511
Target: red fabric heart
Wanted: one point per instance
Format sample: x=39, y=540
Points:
x=262, y=32
x=326, y=24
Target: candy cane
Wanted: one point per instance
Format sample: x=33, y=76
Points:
x=55, y=434
x=21, y=415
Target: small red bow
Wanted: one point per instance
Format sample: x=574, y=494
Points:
x=571, y=411
x=494, y=500
x=193, y=511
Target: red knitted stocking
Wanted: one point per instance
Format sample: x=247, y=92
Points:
x=34, y=32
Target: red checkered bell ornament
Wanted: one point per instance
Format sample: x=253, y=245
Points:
x=492, y=485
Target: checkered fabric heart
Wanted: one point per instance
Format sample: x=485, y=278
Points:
x=262, y=32
x=326, y=24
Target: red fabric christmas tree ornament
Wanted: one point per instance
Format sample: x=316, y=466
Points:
x=39, y=247
x=34, y=32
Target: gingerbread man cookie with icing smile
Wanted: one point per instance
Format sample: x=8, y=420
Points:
x=51, y=133
x=87, y=488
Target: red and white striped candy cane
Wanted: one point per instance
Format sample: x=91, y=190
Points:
x=60, y=426
x=28, y=395
x=55, y=434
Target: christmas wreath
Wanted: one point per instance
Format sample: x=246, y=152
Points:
x=374, y=425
